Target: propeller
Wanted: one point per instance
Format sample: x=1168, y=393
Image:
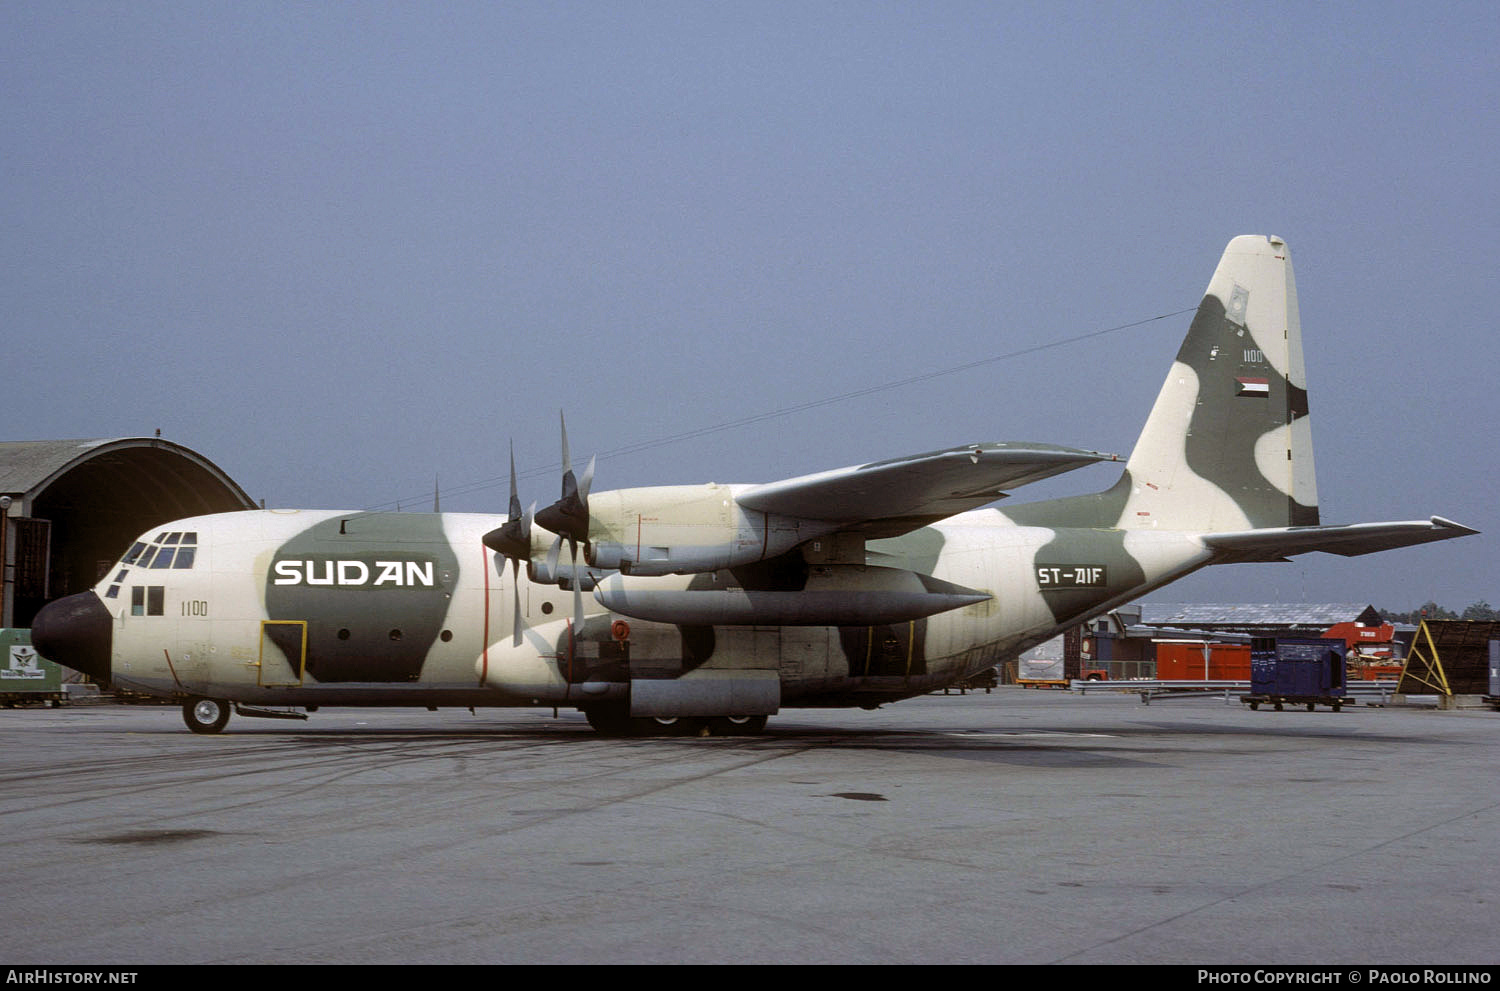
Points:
x=512, y=541
x=568, y=517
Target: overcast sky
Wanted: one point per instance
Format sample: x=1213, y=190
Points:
x=345, y=249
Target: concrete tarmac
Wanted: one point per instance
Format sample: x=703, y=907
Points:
x=1013, y=827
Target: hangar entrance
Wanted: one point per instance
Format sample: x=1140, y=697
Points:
x=70, y=508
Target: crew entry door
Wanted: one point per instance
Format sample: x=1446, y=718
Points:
x=283, y=652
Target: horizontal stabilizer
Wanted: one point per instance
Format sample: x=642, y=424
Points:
x=1350, y=540
x=885, y=498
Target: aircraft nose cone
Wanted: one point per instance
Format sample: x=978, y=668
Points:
x=75, y=631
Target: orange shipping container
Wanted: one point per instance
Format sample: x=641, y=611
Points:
x=1183, y=661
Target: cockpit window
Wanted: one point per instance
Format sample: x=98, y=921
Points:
x=174, y=549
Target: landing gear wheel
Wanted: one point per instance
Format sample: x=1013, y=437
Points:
x=737, y=725
x=608, y=720
x=666, y=725
x=205, y=715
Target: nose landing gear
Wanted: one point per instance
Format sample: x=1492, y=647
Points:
x=205, y=715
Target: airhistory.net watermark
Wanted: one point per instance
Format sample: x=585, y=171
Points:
x=55, y=975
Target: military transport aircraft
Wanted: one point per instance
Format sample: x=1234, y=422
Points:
x=711, y=607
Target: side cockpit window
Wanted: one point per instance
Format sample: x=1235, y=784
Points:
x=148, y=600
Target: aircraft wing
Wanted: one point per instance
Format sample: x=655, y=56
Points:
x=885, y=498
x=1350, y=540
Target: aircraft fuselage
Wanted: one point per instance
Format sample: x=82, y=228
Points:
x=325, y=608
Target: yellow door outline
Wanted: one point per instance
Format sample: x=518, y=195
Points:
x=290, y=670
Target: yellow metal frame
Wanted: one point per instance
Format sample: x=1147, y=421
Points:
x=260, y=667
x=1423, y=663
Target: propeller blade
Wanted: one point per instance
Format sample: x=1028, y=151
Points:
x=512, y=540
x=553, y=553
x=515, y=495
x=569, y=515
x=577, y=591
x=515, y=587
x=588, y=480
x=513, y=537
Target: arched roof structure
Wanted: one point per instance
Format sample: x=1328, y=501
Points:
x=75, y=506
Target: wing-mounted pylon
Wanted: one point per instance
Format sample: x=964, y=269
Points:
x=834, y=595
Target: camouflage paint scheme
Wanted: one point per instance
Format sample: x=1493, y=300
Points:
x=297, y=608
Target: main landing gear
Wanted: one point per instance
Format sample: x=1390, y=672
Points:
x=615, y=721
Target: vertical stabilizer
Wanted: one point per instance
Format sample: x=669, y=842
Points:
x=1228, y=445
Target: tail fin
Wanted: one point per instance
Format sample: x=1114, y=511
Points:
x=1228, y=445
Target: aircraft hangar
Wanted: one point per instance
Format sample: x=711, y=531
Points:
x=69, y=508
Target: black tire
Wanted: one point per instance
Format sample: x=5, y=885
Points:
x=666, y=725
x=609, y=720
x=205, y=715
x=737, y=725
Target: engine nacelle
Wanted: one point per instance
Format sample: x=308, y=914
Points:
x=685, y=529
x=562, y=574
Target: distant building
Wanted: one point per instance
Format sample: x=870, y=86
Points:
x=1259, y=618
